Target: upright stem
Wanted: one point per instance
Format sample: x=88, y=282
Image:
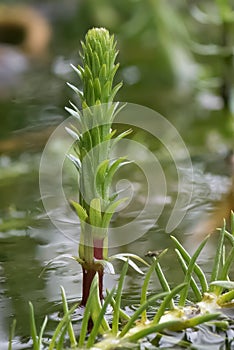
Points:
x=89, y=270
x=88, y=276
x=93, y=151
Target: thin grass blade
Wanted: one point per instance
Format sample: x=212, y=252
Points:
x=11, y=334
x=115, y=323
x=189, y=272
x=193, y=283
x=197, y=270
x=145, y=288
x=139, y=311
x=70, y=328
x=33, y=327
x=166, y=302
x=63, y=323
x=217, y=260
x=97, y=323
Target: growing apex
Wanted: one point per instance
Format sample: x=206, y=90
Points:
x=98, y=67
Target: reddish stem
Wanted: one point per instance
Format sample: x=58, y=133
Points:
x=98, y=248
x=89, y=271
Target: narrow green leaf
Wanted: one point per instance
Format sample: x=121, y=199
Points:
x=224, y=284
x=77, y=91
x=144, y=290
x=12, y=334
x=230, y=237
x=139, y=311
x=100, y=176
x=72, y=133
x=42, y=330
x=73, y=113
x=75, y=161
x=193, y=283
x=166, y=302
x=86, y=316
x=174, y=325
x=97, y=89
x=81, y=212
x=36, y=345
x=70, y=328
x=112, y=170
x=78, y=70
x=95, y=214
x=129, y=255
x=115, y=322
x=59, y=328
x=189, y=272
x=99, y=320
x=217, y=259
x=226, y=298
x=96, y=307
x=110, y=211
x=162, y=278
x=123, y=315
x=197, y=270
x=227, y=265
x=115, y=90
x=121, y=136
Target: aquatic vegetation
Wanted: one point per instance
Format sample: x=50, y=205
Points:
x=210, y=299
x=195, y=302
x=92, y=152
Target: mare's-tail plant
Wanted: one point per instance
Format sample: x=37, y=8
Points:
x=92, y=152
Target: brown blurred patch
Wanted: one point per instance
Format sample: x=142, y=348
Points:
x=23, y=141
x=25, y=28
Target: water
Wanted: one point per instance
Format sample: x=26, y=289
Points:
x=30, y=110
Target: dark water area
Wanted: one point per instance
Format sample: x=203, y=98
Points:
x=160, y=72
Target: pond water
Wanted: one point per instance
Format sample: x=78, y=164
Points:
x=31, y=109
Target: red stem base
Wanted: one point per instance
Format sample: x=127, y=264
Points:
x=88, y=276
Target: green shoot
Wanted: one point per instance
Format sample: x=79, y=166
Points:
x=115, y=322
x=197, y=270
x=70, y=328
x=189, y=272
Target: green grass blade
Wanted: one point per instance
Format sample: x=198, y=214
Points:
x=230, y=237
x=226, y=297
x=224, y=284
x=145, y=288
x=115, y=323
x=33, y=327
x=175, y=325
x=84, y=324
x=70, y=328
x=166, y=302
x=217, y=260
x=151, y=330
x=226, y=267
x=63, y=323
x=42, y=330
x=197, y=270
x=97, y=323
x=163, y=281
x=122, y=314
x=193, y=283
x=60, y=342
x=12, y=334
x=189, y=272
x=139, y=311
